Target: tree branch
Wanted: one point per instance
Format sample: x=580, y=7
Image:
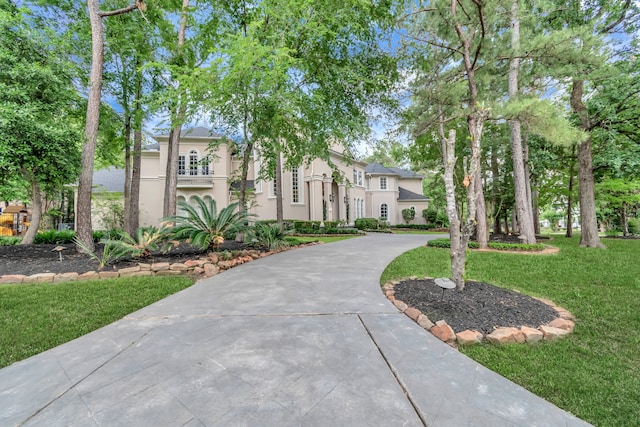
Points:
x=132, y=7
x=620, y=18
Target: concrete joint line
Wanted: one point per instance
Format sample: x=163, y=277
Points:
x=216, y=316
x=74, y=385
x=395, y=375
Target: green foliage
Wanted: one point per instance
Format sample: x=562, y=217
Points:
x=9, y=240
x=593, y=370
x=408, y=215
x=445, y=243
x=634, y=225
x=37, y=317
x=204, y=226
x=269, y=235
x=52, y=237
x=145, y=240
x=366, y=223
x=327, y=231
x=111, y=252
x=415, y=226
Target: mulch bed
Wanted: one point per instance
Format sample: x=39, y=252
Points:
x=33, y=259
x=480, y=306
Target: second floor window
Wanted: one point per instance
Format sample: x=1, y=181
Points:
x=182, y=166
x=383, y=182
x=193, y=162
x=205, y=166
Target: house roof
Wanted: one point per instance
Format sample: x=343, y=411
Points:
x=405, y=173
x=377, y=168
x=404, y=194
x=110, y=179
x=195, y=132
x=151, y=147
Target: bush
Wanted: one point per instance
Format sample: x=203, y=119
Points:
x=446, y=243
x=9, y=240
x=430, y=215
x=52, y=237
x=269, y=235
x=408, y=215
x=313, y=231
x=634, y=225
x=366, y=223
x=416, y=226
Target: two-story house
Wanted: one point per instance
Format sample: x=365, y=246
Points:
x=310, y=192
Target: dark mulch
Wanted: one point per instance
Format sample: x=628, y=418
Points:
x=480, y=306
x=32, y=259
x=512, y=238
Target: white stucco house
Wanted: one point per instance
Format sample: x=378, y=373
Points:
x=356, y=190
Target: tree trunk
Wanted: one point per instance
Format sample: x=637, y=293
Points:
x=457, y=246
x=134, y=212
x=624, y=219
x=535, y=211
x=127, y=173
x=84, y=230
x=36, y=214
x=244, y=174
x=171, y=177
x=523, y=206
x=588, y=221
x=495, y=191
x=569, y=232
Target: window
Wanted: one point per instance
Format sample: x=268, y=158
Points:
x=272, y=188
x=383, y=182
x=360, y=178
x=193, y=162
x=355, y=177
x=182, y=167
x=205, y=165
x=295, y=186
x=384, y=211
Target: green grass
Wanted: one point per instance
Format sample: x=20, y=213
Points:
x=37, y=317
x=595, y=372
x=399, y=231
x=325, y=239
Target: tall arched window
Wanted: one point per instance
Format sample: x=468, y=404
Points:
x=193, y=162
x=384, y=212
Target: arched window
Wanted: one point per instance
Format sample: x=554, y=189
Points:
x=384, y=212
x=193, y=162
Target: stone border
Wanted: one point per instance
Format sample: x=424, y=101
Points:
x=200, y=268
x=557, y=328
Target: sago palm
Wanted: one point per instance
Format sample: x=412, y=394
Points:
x=204, y=226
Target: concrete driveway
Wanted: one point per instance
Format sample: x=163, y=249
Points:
x=301, y=338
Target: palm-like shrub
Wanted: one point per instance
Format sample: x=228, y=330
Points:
x=269, y=235
x=145, y=240
x=204, y=226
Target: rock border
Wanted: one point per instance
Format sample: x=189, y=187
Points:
x=201, y=268
x=558, y=328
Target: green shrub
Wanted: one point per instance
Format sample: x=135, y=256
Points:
x=53, y=237
x=313, y=231
x=268, y=235
x=408, y=215
x=9, y=240
x=293, y=241
x=430, y=215
x=634, y=225
x=416, y=226
x=366, y=223
x=445, y=243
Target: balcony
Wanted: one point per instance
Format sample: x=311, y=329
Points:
x=195, y=181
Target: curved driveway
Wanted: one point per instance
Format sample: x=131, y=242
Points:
x=301, y=338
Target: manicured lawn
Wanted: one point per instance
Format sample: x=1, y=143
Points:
x=325, y=239
x=595, y=373
x=37, y=317
x=400, y=231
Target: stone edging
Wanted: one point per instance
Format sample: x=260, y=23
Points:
x=200, y=268
x=557, y=328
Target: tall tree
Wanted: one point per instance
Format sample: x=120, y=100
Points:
x=83, y=210
x=40, y=135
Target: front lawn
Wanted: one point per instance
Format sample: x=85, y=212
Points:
x=37, y=317
x=595, y=373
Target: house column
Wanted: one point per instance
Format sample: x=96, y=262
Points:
x=327, y=180
x=342, y=192
x=315, y=196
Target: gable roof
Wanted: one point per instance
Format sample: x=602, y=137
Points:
x=378, y=169
x=404, y=194
x=195, y=132
x=110, y=179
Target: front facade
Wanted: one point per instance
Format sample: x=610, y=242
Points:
x=312, y=192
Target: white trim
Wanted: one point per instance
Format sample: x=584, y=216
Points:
x=297, y=179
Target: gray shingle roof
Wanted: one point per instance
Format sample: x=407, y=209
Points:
x=110, y=179
x=377, y=168
x=404, y=194
x=405, y=173
x=151, y=147
x=196, y=132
